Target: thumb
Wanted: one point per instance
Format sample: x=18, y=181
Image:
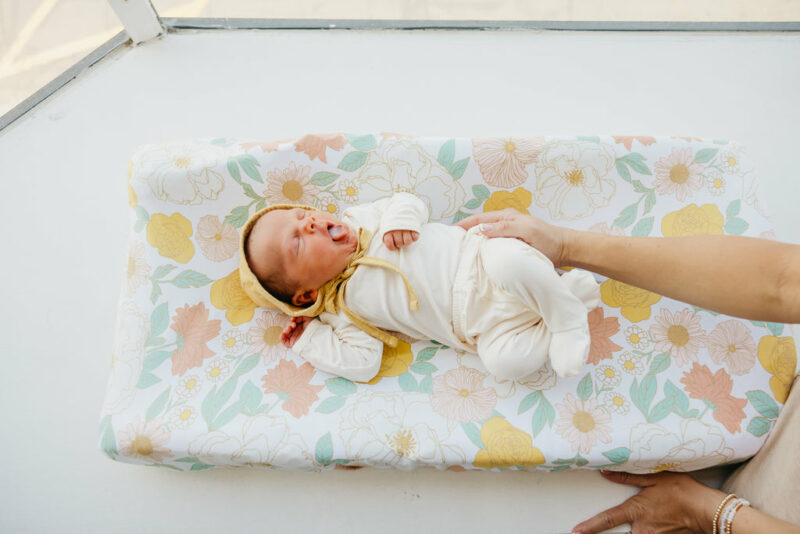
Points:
x=641, y=481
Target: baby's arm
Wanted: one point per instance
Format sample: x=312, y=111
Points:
x=333, y=344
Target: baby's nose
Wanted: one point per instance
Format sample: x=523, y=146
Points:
x=310, y=223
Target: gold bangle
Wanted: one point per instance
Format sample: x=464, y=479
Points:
x=719, y=509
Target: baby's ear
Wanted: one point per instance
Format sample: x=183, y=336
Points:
x=303, y=298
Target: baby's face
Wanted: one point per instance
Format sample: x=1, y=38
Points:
x=312, y=247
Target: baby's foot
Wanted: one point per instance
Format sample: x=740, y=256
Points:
x=569, y=351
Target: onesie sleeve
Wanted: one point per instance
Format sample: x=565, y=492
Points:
x=401, y=211
x=335, y=345
x=404, y=211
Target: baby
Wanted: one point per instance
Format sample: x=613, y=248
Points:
x=384, y=267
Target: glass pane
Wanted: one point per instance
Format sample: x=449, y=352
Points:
x=40, y=39
x=591, y=10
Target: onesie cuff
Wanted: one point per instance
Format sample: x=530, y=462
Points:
x=305, y=337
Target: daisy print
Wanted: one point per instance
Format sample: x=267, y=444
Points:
x=348, y=191
x=189, y=386
x=680, y=334
x=218, y=370
x=182, y=417
x=715, y=182
x=631, y=363
x=615, y=403
x=582, y=423
x=233, y=342
x=637, y=337
x=678, y=174
x=607, y=375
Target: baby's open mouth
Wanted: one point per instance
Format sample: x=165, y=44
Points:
x=336, y=231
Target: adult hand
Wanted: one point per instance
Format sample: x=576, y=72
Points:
x=668, y=502
x=548, y=239
x=294, y=329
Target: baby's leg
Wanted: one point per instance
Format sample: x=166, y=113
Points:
x=528, y=274
x=513, y=351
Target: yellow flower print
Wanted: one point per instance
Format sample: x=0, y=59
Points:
x=227, y=294
x=634, y=302
x=170, y=235
x=520, y=199
x=506, y=446
x=778, y=356
x=693, y=220
x=132, y=199
x=395, y=361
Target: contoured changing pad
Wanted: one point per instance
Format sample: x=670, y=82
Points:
x=199, y=377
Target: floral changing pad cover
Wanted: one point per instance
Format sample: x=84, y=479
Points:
x=199, y=378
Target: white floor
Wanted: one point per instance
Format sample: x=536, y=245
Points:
x=63, y=211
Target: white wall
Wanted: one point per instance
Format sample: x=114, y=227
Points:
x=63, y=214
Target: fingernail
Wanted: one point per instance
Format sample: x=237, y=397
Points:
x=485, y=227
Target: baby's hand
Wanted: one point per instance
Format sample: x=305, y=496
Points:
x=294, y=330
x=395, y=239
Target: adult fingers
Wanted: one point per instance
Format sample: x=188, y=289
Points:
x=641, y=481
x=480, y=218
x=613, y=517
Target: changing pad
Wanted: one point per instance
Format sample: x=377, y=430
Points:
x=199, y=378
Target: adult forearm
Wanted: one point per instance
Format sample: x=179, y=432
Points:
x=739, y=276
x=751, y=521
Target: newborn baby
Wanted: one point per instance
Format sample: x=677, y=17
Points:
x=384, y=267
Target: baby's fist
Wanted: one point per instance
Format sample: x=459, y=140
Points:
x=294, y=330
x=395, y=239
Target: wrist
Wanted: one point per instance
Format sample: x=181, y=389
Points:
x=567, y=247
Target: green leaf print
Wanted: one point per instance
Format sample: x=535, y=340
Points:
x=353, y=161
x=159, y=320
x=340, y=386
x=248, y=190
x=249, y=164
x=643, y=227
x=472, y=204
x=190, y=278
x=736, y=226
x=545, y=413
x=775, y=328
x=480, y=191
x=422, y=368
x=623, y=171
x=331, y=404
x=238, y=216
x=705, y=155
x=759, y=426
x=529, y=401
x=153, y=360
x=733, y=209
x=426, y=354
x=157, y=406
x=585, y=387
x=473, y=433
x=146, y=380
x=323, y=178
x=447, y=153
x=407, y=382
x=627, y=216
x=233, y=169
x=763, y=404
x=250, y=396
x=457, y=169
x=323, y=454
x=636, y=162
x=619, y=455
x=108, y=443
x=426, y=385
x=364, y=143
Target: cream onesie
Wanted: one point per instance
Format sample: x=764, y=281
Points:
x=499, y=298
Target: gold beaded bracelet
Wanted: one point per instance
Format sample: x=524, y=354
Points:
x=719, y=510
